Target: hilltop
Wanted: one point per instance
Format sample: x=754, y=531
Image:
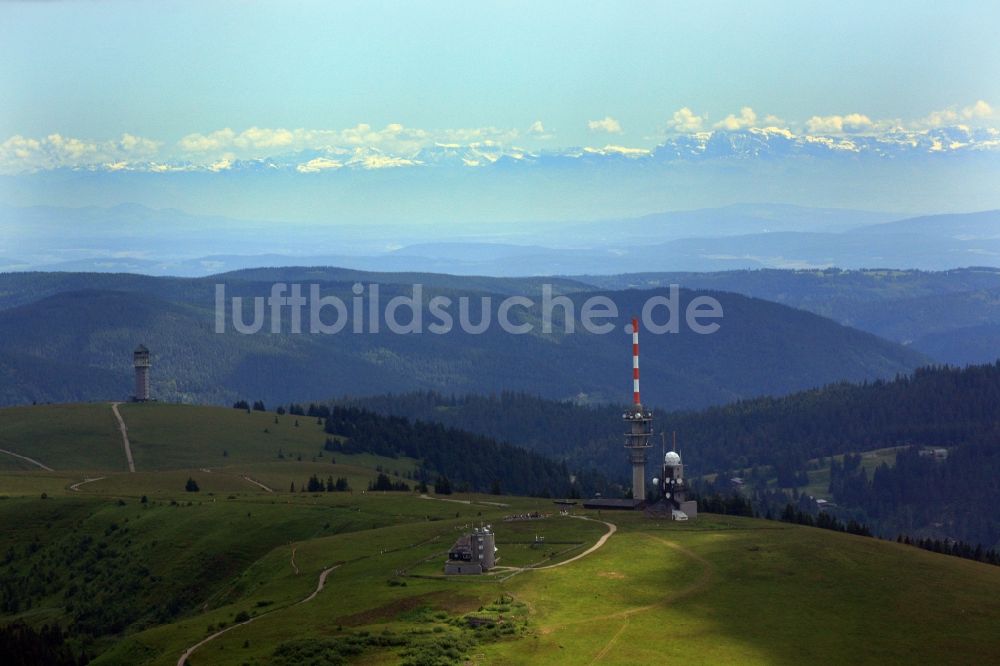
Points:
x=232, y=449
x=952, y=316
x=86, y=323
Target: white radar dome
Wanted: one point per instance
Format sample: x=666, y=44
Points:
x=672, y=458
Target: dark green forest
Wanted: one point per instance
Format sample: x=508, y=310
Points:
x=944, y=407
x=919, y=491
x=935, y=406
x=471, y=462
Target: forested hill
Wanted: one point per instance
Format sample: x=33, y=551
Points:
x=467, y=461
x=941, y=407
x=952, y=316
x=582, y=435
x=935, y=406
x=74, y=326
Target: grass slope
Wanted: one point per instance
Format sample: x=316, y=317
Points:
x=75, y=436
x=724, y=590
x=149, y=580
x=182, y=436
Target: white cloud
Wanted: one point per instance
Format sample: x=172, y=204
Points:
x=849, y=124
x=537, y=131
x=606, y=124
x=19, y=153
x=685, y=121
x=978, y=110
x=938, y=118
x=747, y=118
x=138, y=146
x=264, y=138
x=199, y=143
x=20, y=147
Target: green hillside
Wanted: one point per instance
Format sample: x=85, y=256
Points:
x=78, y=437
x=141, y=581
x=227, y=450
x=218, y=446
x=726, y=590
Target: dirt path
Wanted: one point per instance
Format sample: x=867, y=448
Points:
x=612, y=528
x=319, y=588
x=703, y=581
x=295, y=567
x=610, y=644
x=76, y=486
x=458, y=501
x=319, y=585
x=27, y=459
x=257, y=483
x=124, y=429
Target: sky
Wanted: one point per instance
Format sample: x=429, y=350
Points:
x=166, y=85
x=165, y=70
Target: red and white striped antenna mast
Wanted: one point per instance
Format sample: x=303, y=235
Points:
x=640, y=425
x=635, y=360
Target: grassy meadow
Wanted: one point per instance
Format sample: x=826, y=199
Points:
x=142, y=570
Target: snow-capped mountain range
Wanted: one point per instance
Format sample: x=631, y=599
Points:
x=745, y=144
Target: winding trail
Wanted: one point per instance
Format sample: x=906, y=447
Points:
x=260, y=485
x=612, y=528
x=319, y=585
x=124, y=429
x=610, y=644
x=76, y=486
x=295, y=567
x=27, y=459
x=319, y=588
x=458, y=501
x=703, y=581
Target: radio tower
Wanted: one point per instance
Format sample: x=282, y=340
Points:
x=640, y=425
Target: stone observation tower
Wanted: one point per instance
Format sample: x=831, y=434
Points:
x=640, y=425
x=140, y=359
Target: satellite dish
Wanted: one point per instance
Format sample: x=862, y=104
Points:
x=656, y=481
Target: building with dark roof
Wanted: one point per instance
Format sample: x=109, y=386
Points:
x=473, y=553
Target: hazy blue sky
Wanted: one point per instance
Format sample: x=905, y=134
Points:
x=365, y=111
x=165, y=70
